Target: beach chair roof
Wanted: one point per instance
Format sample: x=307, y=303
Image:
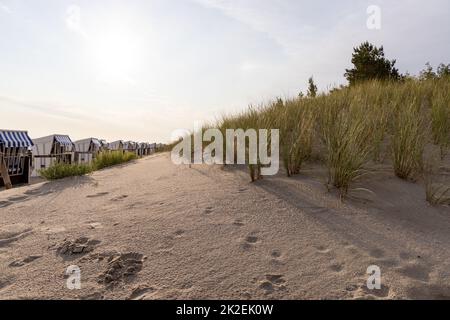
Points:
x=96, y=142
x=63, y=140
x=130, y=144
x=14, y=139
x=89, y=140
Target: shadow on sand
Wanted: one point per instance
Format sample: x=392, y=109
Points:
x=46, y=188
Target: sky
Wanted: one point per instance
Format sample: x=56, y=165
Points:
x=140, y=69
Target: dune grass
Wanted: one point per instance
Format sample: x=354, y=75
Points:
x=346, y=133
x=440, y=118
x=112, y=158
x=62, y=170
x=436, y=189
x=351, y=127
x=408, y=139
x=296, y=134
x=103, y=160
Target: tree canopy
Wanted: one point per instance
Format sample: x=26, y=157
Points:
x=312, y=88
x=370, y=63
x=443, y=70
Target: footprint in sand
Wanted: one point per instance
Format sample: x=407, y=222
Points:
x=13, y=233
x=76, y=247
x=416, y=272
x=276, y=254
x=409, y=256
x=95, y=225
x=364, y=293
x=97, y=195
x=336, y=267
x=122, y=267
x=4, y=283
x=276, y=258
x=351, y=288
x=120, y=198
x=21, y=263
x=429, y=292
x=388, y=263
x=179, y=233
x=377, y=253
x=141, y=293
x=250, y=241
x=271, y=283
x=208, y=210
x=275, y=279
x=96, y=296
x=323, y=249
x=4, y=204
x=266, y=286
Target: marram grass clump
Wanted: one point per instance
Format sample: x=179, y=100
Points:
x=440, y=118
x=62, y=170
x=350, y=128
x=296, y=134
x=103, y=160
x=109, y=159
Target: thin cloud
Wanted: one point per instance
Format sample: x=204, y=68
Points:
x=264, y=17
x=5, y=8
x=48, y=110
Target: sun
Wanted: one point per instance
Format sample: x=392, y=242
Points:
x=117, y=54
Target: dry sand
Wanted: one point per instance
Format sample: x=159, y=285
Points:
x=152, y=230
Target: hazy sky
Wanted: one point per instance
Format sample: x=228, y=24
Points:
x=140, y=69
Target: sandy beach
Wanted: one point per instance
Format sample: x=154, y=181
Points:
x=153, y=230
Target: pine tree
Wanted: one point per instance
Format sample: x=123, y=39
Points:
x=312, y=88
x=443, y=70
x=427, y=73
x=370, y=63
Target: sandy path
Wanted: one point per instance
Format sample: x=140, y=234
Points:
x=156, y=231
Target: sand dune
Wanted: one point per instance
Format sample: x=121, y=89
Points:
x=152, y=230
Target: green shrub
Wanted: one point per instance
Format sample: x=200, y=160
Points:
x=109, y=159
x=103, y=160
x=62, y=170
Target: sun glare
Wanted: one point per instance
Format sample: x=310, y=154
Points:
x=117, y=54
